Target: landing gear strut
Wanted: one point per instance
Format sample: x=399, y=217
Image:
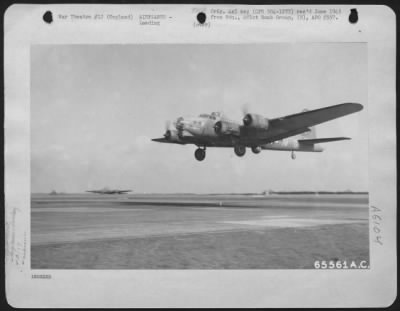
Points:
x=293, y=155
x=240, y=150
x=200, y=154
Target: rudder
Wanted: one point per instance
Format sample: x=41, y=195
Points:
x=311, y=134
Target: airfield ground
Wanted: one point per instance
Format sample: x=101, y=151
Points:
x=196, y=231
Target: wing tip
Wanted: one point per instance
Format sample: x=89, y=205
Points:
x=355, y=106
x=341, y=138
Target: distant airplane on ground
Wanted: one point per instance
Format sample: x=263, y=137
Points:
x=257, y=132
x=109, y=191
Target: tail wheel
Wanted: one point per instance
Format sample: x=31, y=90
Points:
x=293, y=155
x=200, y=154
x=240, y=150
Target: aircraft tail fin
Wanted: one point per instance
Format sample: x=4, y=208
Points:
x=310, y=134
x=320, y=140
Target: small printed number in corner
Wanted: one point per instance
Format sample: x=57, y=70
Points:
x=341, y=264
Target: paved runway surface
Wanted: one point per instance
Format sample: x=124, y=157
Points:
x=196, y=231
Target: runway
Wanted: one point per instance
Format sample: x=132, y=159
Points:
x=189, y=231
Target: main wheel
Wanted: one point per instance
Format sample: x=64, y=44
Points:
x=200, y=154
x=256, y=149
x=240, y=150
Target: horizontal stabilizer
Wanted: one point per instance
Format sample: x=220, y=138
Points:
x=321, y=140
x=281, y=128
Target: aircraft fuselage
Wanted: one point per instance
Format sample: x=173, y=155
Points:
x=289, y=133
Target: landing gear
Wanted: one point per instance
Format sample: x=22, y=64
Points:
x=293, y=155
x=240, y=150
x=256, y=149
x=200, y=154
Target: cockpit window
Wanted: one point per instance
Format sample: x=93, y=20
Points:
x=215, y=115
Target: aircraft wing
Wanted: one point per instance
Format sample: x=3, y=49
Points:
x=294, y=124
x=164, y=140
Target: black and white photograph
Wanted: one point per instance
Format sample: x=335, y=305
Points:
x=200, y=156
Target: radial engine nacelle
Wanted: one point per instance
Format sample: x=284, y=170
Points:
x=171, y=135
x=226, y=128
x=255, y=120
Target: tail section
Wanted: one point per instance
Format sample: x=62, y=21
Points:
x=309, y=138
x=320, y=140
x=310, y=134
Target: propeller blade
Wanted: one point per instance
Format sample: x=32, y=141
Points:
x=245, y=109
x=247, y=119
x=167, y=134
x=178, y=124
x=167, y=125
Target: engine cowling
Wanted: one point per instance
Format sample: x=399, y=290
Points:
x=171, y=135
x=255, y=120
x=226, y=128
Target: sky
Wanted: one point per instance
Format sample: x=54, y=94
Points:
x=95, y=108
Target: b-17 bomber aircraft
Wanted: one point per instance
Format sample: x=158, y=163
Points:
x=109, y=191
x=256, y=132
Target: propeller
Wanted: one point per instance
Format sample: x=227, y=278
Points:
x=167, y=125
x=167, y=134
x=178, y=124
x=245, y=109
x=218, y=127
x=247, y=119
